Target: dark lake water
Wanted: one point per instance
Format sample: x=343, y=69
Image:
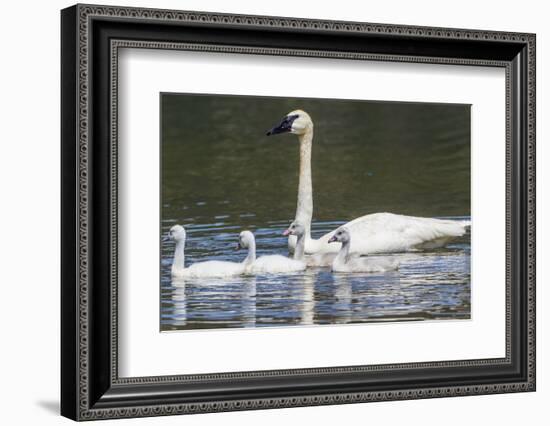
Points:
x=222, y=175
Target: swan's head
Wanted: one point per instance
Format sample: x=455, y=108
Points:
x=341, y=235
x=246, y=239
x=176, y=233
x=297, y=122
x=295, y=228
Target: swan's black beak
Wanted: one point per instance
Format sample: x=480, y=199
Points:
x=165, y=238
x=284, y=126
x=238, y=246
x=332, y=239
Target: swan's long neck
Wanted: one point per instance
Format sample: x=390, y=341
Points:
x=300, y=248
x=343, y=254
x=178, y=264
x=304, y=208
x=251, y=256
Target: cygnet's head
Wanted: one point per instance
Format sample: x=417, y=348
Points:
x=296, y=122
x=295, y=228
x=246, y=238
x=176, y=233
x=341, y=235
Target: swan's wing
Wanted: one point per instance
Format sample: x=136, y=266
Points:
x=390, y=232
x=270, y=259
x=214, y=268
x=387, y=232
x=379, y=263
x=276, y=263
x=420, y=228
x=320, y=259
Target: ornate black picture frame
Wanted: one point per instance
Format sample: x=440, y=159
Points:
x=91, y=36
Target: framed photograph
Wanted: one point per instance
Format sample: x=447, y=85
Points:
x=263, y=212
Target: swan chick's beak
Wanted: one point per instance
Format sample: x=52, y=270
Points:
x=286, y=232
x=332, y=239
x=238, y=246
x=165, y=238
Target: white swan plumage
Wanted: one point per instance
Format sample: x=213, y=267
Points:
x=373, y=233
x=345, y=261
x=208, y=269
x=318, y=259
x=269, y=264
x=390, y=233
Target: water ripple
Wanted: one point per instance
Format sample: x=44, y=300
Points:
x=431, y=284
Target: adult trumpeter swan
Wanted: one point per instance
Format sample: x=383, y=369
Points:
x=270, y=264
x=211, y=268
x=346, y=262
x=373, y=233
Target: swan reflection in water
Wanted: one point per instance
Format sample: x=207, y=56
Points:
x=174, y=304
x=343, y=298
x=307, y=299
x=209, y=303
